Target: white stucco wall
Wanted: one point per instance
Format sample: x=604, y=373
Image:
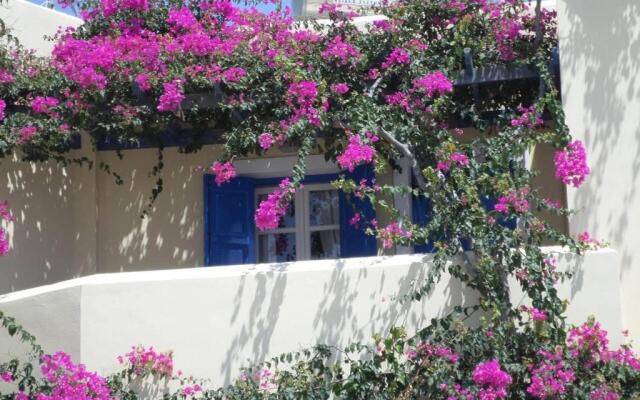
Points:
x=217, y=319
x=600, y=62
x=73, y=222
x=30, y=23
x=53, y=237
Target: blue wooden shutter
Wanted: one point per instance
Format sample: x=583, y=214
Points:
x=421, y=215
x=228, y=222
x=353, y=241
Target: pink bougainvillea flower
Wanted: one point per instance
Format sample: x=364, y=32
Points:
x=398, y=56
x=144, y=82
x=341, y=51
x=530, y=117
x=517, y=199
x=356, y=153
x=41, y=105
x=6, y=376
x=435, y=83
x=550, y=377
x=26, y=133
x=493, y=381
x=266, y=140
x=300, y=98
x=391, y=232
x=191, y=390
x=5, y=76
x=172, y=97
x=340, y=88
x=571, y=164
x=224, y=172
x=234, y=74
x=271, y=210
x=145, y=361
x=535, y=313
x=72, y=381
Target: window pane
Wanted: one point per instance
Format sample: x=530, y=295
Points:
x=289, y=218
x=324, y=207
x=277, y=247
x=325, y=244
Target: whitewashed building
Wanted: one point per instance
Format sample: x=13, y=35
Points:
x=82, y=256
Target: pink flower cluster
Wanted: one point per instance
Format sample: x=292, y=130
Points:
x=3, y=107
x=460, y=159
x=224, y=172
x=398, y=56
x=530, y=117
x=355, y=220
x=271, y=210
x=191, y=390
x=266, y=140
x=85, y=62
x=392, y=232
x=553, y=204
x=26, y=133
x=234, y=74
x=493, y=381
x=356, y=152
x=5, y=76
x=42, y=105
x=516, y=199
x=266, y=379
x=604, y=393
x=301, y=97
x=5, y=215
x=550, y=377
x=571, y=164
x=341, y=51
x=172, y=97
x=589, y=341
x=399, y=99
x=71, y=381
x=433, y=83
x=183, y=19
x=585, y=239
x=6, y=376
x=506, y=31
x=535, y=313
x=145, y=361
x=110, y=7
x=340, y=88
x=384, y=25
x=430, y=350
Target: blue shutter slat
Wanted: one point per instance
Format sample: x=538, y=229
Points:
x=229, y=222
x=421, y=214
x=353, y=241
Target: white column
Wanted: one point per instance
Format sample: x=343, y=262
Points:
x=600, y=65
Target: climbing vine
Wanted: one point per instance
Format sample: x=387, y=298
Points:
x=457, y=91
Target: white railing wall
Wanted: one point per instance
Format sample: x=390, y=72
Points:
x=218, y=319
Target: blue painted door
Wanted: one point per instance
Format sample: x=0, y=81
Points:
x=353, y=240
x=229, y=222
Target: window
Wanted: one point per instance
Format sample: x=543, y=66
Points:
x=315, y=227
x=310, y=230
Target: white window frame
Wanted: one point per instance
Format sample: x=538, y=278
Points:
x=302, y=228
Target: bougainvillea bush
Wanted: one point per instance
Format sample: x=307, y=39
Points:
x=392, y=94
